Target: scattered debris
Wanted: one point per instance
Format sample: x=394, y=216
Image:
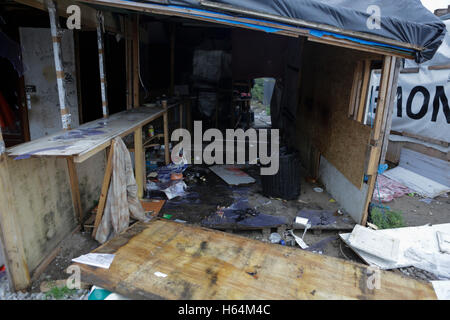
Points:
x=426, y=200
x=387, y=189
x=318, y=189
x=299, y=240
x=372, y=226
x=98, y=293
x=428, y=176
x=417, y=246
x=275, y=237
x=160, y=274
x=443, y=241
x=374, y=243
x=442, y=289
x=101, y=260
x=232, y=175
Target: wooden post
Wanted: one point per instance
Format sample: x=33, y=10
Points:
x=172, y=59
x=56, y=38
x=189, y=115
x=396, y=63
x=181, y=115
x=101, y=64
x=166, y=132
x=129, y=61
x=139, y=161
x=374, y=159
x=104, y=191
x=74, y=188
x=136, y=66
x=10, y=233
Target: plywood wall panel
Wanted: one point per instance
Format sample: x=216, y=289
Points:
x=327, y=78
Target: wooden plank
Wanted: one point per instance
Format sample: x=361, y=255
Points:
x=374, y=155
x=172, y=58
x=89, y=138
x=390, y=108
x=202, y=263
x=10, y=233
x=104, y=191
x=139, y=162
x=355, y=90
x=101, y=64
x=422, y=138
x=382, y=97
x=364, y=89
x=75, y=189
x=135, y=37
x=439, y=67
x=166, y=133
x=356, y=46
x=129, y=60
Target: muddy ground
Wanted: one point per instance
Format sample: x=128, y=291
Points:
x=203, y=198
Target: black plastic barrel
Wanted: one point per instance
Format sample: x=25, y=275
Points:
x=286, y=183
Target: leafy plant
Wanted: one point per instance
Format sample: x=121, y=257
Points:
x=387, y=219
x=59, y=292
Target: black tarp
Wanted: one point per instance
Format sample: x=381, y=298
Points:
x=403, y=20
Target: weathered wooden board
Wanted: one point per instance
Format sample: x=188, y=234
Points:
x=88, y=138
x=200, y=263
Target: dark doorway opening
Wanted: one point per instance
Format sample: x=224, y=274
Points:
x=89, y=84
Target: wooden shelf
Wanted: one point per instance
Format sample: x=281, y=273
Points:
x=89, y=138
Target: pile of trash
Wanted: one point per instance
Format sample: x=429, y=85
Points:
x=426, y=247
x=166, y=180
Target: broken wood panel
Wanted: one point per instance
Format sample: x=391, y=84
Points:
x=11, y=241
x=88, y=138
x=205, y=264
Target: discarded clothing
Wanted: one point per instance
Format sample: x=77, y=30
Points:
x=122, y=199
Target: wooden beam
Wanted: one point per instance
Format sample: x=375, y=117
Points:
x=364, y=90
x=356, y=46
x=276, y=21
x=135, y=35
x=172, y=59
x=56, y=39
x=139, y=161
x=101, y=64
x=129, y=60
x=354, y=94
x=439, y=67
x=104, y=191
x=181, y=115
x=374, y=157
x=166, y=133
x=10, y=232
x=396, y=63
x=75, y=189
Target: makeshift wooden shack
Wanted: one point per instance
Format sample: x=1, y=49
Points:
x=324, y=64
